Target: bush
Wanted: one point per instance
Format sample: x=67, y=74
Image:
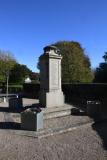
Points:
x=13, y=88
x=31, y=90
x=72, y=92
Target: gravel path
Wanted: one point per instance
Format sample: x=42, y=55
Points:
x=84, y=143
x=80, y=144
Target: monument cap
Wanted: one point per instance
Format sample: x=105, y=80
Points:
x=47, y=49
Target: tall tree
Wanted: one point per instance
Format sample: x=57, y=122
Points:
x=20, y=72
x=101, y=71
x=76, y=66
x=7, y=62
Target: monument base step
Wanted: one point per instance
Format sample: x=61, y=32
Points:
x=45, y=132
x=55, y=112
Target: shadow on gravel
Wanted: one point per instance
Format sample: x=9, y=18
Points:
x=100, y=123
x=10, y=125
x=80, y=114
x=10, y=110
x=100, y=120
x=18, y=110
x=36, y=105
x=4, y=109
x=76, y=112
x=101, y=128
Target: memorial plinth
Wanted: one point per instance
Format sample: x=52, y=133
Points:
x=51, y=94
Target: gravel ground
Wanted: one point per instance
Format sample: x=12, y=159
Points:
x=80, y=144
x=83, y=143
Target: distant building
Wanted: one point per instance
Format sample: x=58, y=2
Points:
x=28, y=80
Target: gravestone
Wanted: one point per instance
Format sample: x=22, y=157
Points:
x=51, y=94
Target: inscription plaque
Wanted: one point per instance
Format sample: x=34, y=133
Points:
x=54, y=74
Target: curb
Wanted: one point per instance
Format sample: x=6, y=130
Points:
x=50, y=132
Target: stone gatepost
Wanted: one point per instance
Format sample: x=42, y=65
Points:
x=51, y=94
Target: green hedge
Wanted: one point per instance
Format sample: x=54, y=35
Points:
x=72, y=92
x=79, y=94
x=13, y=88
x=31, y=90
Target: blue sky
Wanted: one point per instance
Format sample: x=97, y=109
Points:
x=26, y=26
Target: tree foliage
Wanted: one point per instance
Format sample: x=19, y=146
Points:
x=20, y=72
x=76, y=66
x=7, y=62
x=101, y=71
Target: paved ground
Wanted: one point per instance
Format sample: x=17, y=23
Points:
x=88, y=142
x=26, y=102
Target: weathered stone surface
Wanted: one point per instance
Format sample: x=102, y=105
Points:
x=54, y=112
x=51, y=94
x=31, y=120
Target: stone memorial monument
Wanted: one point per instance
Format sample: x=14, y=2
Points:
x=51, y=94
